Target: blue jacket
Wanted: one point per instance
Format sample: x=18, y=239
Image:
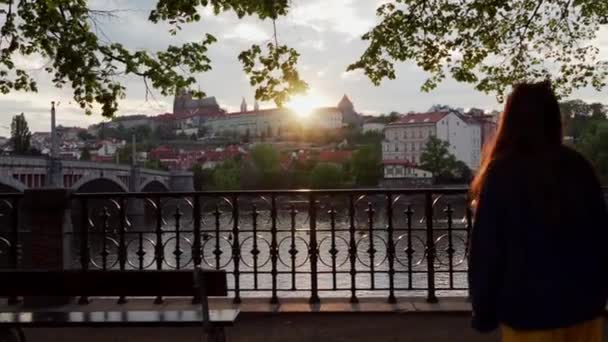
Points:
x=539, y=246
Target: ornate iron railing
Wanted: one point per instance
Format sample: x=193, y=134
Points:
x=9, y=230
x=349, y=243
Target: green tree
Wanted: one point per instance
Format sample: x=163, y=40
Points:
x=393, y=116
x=227, y=176
x=436, y=157
x=598, y=111
x=578, y=116
x=85, y=154
x=142, y=133
x=84, y=135
x=367, y=165
x=20, y=134
x=203, y=178
x=465, y=39
x=125, y=154
x=265, y=160
x=327, y=176
x=459, y=173
x=154, y=164
x=163, y=133
x=462, y=172
x=594, y=146
x=573, y=108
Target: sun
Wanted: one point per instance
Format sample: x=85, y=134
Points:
x=304, y=105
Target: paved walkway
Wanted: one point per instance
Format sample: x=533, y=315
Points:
x=296, y=321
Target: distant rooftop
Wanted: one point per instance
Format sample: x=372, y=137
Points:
x=421, y=118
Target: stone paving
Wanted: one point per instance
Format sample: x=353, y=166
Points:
x=295, y=320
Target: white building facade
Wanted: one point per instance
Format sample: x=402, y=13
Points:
x=405, y=140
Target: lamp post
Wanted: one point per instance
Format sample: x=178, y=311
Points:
x=54, y=174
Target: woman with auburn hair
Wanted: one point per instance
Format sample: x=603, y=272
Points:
x=538, y=265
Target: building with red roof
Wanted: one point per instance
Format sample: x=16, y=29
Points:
x=336, y=157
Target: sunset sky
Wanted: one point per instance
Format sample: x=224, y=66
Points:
x=327, y=34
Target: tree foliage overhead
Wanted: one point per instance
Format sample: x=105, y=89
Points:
x=65, y=33
x=489, y=43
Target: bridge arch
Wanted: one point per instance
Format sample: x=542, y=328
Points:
x=107, y=182
x=153, y=185
x=9, y=184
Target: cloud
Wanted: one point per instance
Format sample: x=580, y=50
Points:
x=336, y=15
x=248, y=32
x=356, y=75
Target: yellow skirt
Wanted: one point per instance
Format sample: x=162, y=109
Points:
x=591, y=331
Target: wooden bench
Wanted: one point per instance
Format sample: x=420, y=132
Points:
x=198, y=284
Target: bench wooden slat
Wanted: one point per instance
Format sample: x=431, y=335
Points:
x=177, y=318
x=108, y=283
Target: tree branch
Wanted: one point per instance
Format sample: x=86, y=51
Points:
x=529, y=22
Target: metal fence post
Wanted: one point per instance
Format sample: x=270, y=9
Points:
x=430, y=248
x=313, y=251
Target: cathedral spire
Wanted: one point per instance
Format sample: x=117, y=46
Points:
x=243, y=105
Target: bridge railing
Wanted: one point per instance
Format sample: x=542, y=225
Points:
x=348, y=243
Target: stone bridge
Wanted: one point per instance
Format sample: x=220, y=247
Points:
x=20, y=173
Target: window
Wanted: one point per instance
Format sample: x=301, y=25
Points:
x=404, y=134
x=412, y=147
x=396, y=148
x=420, y=133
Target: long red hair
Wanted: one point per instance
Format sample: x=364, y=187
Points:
x=530, y=125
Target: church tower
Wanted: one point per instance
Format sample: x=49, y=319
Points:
x=346, y=104
x=243, y=105
x=182, y=96
x=349, y=114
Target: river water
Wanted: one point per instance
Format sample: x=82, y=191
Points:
x=293, y=239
